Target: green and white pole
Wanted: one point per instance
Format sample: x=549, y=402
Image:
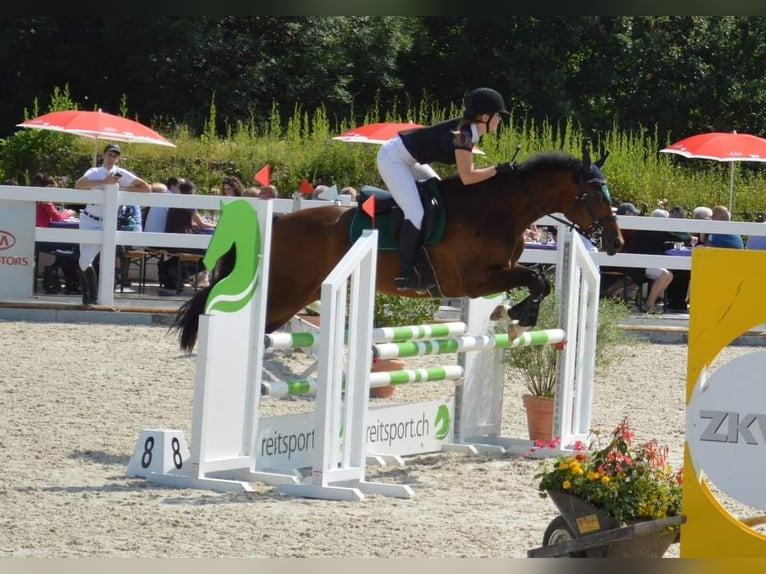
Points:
x=418, y=332
x=282, y=389
x=405, y=376
x=304, y=339
x=467, y=343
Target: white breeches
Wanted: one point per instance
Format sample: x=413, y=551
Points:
x=400, y=173
x=88, y=251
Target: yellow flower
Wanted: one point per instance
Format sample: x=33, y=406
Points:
x=563, y=465
x=592, y=475
x=605, y=479
x=566, y=485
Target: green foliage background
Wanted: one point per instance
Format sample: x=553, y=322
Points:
x=299, y=145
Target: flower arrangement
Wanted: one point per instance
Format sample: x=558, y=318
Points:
x=625, y=481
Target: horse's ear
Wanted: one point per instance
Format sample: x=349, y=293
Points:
x=600, y=162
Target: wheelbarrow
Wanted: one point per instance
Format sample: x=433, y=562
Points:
x=583, y=531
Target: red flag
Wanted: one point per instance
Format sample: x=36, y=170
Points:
x=305, y=187
x=263, y=175
x=369, y=208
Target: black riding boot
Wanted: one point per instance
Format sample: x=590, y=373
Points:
x=89, y=286
x=409, y=248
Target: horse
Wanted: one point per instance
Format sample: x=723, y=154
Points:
x=477, y=255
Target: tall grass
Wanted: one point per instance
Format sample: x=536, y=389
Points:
x=298, y=144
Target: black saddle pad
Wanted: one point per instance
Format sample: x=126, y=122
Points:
x=388, y=215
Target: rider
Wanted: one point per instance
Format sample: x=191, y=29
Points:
x=404, y=159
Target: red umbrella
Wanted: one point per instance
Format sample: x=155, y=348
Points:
x=98, y=125
x=721, y=146
x=380, y=133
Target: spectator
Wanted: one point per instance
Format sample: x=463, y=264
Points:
x=45, y=210
x=45, y=213
x=728, y=240
x=653, y=243
x=701, y=212
x=251, y=191
x=678, y=212
x=96, y=178
x=627, y=208
x=268, y=192
x=231, y=186
x=182, y=220
x=157, y=215
x=678, y=290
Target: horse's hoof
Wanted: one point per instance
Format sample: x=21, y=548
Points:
x=515, y=330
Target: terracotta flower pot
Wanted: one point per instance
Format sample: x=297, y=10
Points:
x=539, y=417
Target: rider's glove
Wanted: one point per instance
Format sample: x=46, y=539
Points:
x=505, y=167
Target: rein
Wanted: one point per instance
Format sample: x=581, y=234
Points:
x=597, y=224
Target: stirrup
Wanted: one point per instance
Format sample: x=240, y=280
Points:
x=411, y=282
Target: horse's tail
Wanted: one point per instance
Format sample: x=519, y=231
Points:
x=187, y=317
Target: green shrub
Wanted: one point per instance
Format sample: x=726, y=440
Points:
x=536, y=365
x=398, y=311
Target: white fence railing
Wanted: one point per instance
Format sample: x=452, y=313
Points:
x=17, y=257
x=109, y=237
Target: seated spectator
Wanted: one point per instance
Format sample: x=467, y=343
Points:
x=157, y=215
x=678, y=212
x=701, y=212
x=231, y=186
x=728, y=240
x=627, y=208
x=677, y=292
x=268, y=192
x=251, y=191
x=182, y=220
x=45, y=212
x=610, y=287
x=653, y=242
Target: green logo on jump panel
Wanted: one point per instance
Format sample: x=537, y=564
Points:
x=238, y=229
x=442, y=422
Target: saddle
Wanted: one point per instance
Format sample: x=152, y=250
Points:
x=389, y=216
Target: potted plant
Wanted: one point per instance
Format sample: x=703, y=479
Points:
x=536, y=366
x=611, y=483
x=396, y=311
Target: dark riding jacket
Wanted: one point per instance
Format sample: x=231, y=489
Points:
x=437, y=142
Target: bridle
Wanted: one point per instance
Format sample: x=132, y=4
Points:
x=597, y=223
x=585, y=176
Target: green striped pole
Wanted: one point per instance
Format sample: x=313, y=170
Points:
x=467, y=343
x=281, y=389
x=417, y=332
x=283, y=341
x=385, y=378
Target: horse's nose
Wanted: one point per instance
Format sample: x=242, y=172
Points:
x=616, y=245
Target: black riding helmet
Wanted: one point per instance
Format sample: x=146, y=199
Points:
x=484, y=101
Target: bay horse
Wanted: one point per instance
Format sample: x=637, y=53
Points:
x=482, y=241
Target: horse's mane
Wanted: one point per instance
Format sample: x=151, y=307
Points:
x=548, y=161
x=538, y=162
